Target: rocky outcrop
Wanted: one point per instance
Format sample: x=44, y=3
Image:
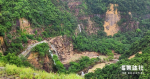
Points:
x=66, y=53
x=79, y=29
x=44, y=63
x=73, y=6
x=1, y=41
x=34, y=60
x=25, y=25
x=89, y=27
x=110, y=24
x=48, y=64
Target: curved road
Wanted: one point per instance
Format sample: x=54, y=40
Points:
x=27, y=51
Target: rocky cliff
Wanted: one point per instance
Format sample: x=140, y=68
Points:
x=25, y=25
x=2, y=45
x=44, y=63
x=111, y=19
x=66, y=53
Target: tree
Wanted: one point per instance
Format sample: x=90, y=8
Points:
x=12, y=59
x=138, y=30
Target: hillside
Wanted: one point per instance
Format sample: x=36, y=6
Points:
x=29, y=73
x=75, y=37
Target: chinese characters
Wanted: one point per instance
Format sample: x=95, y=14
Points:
x=132, y=69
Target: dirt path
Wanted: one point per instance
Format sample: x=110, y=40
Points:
x=101, y=65
x=76, y=56
x=134, y=55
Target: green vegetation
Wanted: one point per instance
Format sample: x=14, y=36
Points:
x=94, y=43
x=14, y=47
x=58, y=65
x=120, y=42
x=16, y=44
x=74, y=67
x=42, y=49
x=54, y=18
x=99, y=21
x=43, y=13
x=13, y=59
x=21, y=72
x=30, y=36
x=97, y=6
x=121, y=21
x=138, y=8
x=137, y=46
x=84, y=62
x=135, y=6
x=114, y=70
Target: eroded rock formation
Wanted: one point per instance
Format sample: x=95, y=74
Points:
x=2, y=45
x=25, y=25
x=48, y=65
x=110, y=24
x=45, y=62
x=66, y=53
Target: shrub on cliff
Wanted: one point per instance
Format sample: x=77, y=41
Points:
x=41, y=48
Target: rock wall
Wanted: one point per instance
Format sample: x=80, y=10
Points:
x=33, y=59
x=44, y=63
x=110, y=24
x=48, y=64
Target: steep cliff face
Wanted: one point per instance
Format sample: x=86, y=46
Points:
x=110, y=23
x=48, y=64
x=33, y=59
x=134, y=55
x=44, y=63
x=91, y=29
x=112, y=17
x=1, y=41
x=25, y=25
x=77, y=10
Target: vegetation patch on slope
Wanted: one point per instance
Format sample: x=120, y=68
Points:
x=29, y=73
x=42, y=49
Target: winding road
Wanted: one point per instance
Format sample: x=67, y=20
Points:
x=27, y=51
